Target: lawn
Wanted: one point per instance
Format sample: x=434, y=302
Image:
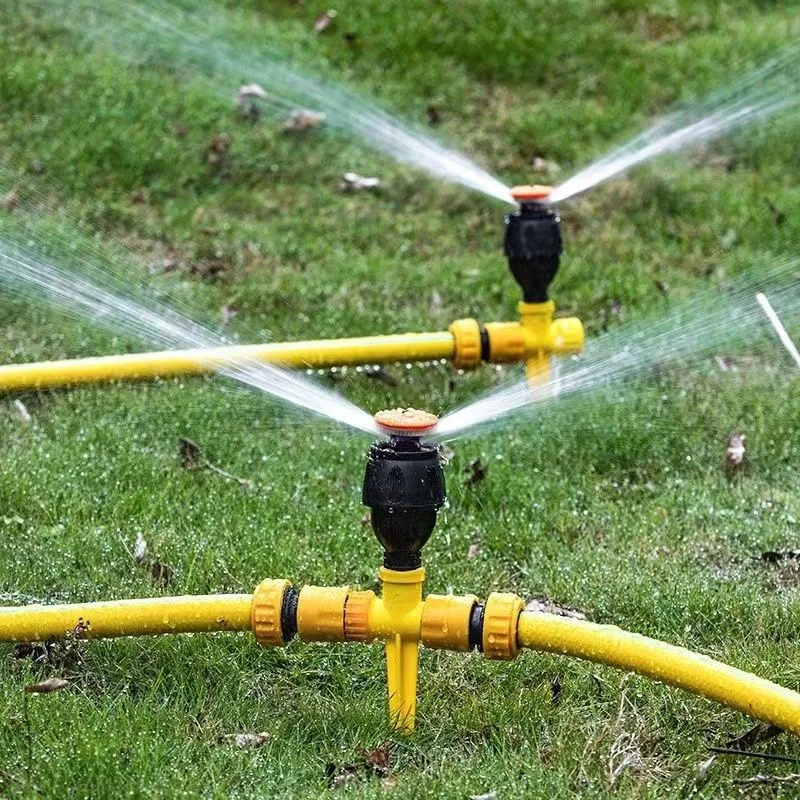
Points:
x=617, y=503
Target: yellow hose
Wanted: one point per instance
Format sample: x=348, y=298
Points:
x=140, y=366
x=676, y=666
x=202, y=613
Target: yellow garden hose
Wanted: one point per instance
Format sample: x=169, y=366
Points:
x=693, y=672
x=192, y=614
x=438, y=621
x=141, y=366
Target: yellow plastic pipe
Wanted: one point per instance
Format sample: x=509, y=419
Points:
x=676, y=666
x=191, y=614
x=141, y=366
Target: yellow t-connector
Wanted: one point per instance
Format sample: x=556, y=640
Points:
x=534, y=339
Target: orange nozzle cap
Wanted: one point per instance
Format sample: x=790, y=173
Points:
x=531, y=192
x=406, y=421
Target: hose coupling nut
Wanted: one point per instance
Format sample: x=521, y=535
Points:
x=500, y=621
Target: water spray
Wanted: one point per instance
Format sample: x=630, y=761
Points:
x=532, y=246
x=404, y=489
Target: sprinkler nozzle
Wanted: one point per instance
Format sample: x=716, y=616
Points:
x=404, y=486
x=406, y=421
x=531, y=192
x=533, y=242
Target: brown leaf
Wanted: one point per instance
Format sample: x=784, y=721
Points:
x=302, y=120
x=341, y=776
x=324, y=21
x=208, y=268
x=474, y=551
x=23, y=412
x=378, y=760
x=140, y=196
x=160, y=574
x=139, y=549
x=776, y=556
x=217, y=149
x=366, y=519
x=760, y=732
x=191, y=455
x=434, y=115
x=48, y=686
x=164, y=265
x=701, y=774
x=476, y=472
x=556, y=687
x=662, y=286
x=249, y=741
x=228, y=313
x=777, y=215
x=543, y=605
x=382, y=375
x=767, y=780
x=10, y=201
x=735, y=452
x=353, y=182
x=548, y=168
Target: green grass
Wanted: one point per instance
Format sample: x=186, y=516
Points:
x=617, y=505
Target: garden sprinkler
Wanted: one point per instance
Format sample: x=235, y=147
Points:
x=404, y=490
x=533, y=248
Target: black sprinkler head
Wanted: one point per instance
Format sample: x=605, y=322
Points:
x=404, y=490
x=533, y=243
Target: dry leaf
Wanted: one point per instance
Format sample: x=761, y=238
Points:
x=23, y=412
x=366, y=519
x=662, y=286
x=476, y=472
x=434, y=115
x=777, y=215
x=228, y=313
x=339, y=777
x=474, y=551
x=48, y=686
x=545, y=167
x=191, y=455
x=245, y=741
x=10, y=201
x=543, y=605
x=250, y=91
x=378, y=760
x=140, y=549
x=324, y=21
x=760, y=732
x=353, y=182
x=302, y=120
x=217, y=149
x=140, y=196
x=735, y=453
x=701, y=775
x=382, y=375
x=389, y=783
x=160, y=574
x=774, y=780
x=556, y=687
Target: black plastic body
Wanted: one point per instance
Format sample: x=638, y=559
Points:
x=404, y=490
x=533, y=247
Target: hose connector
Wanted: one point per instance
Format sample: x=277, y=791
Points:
x=500, y=619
